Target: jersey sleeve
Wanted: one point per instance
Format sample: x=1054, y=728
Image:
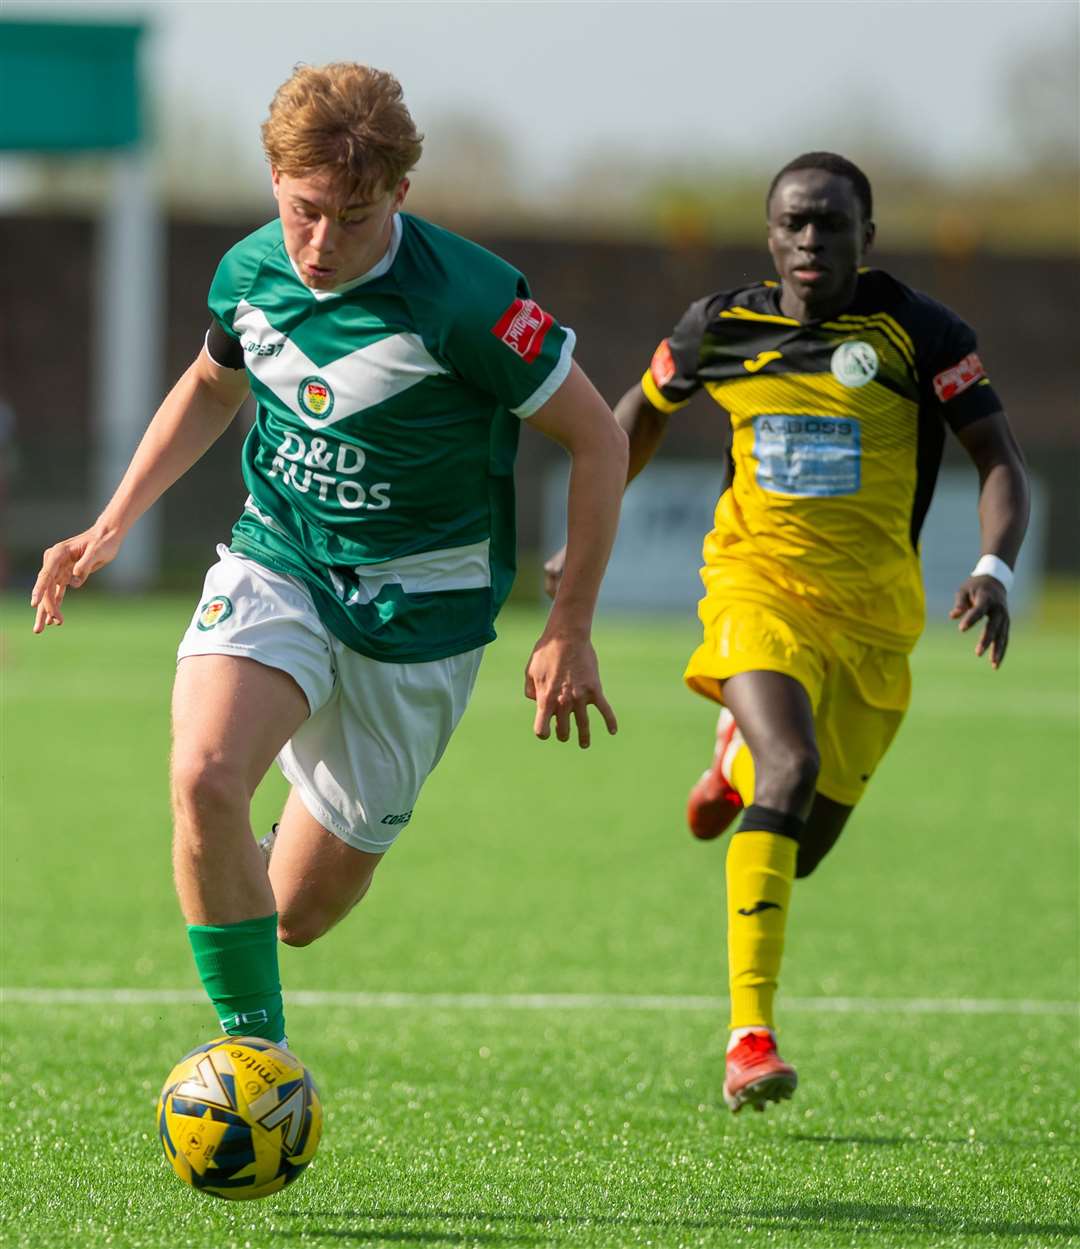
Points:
x=500, y=340
x=671, y=380
x=224, y=295
x=952, y=379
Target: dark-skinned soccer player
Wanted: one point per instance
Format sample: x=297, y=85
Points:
x=840, y=383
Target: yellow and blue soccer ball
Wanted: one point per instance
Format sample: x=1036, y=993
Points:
x=239, y=1118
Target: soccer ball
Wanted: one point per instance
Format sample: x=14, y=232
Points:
x=239, y=1118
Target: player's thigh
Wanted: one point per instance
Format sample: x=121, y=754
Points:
x=773, y=711
x=360, y=762
x=862, y=706
x=253, y=663
x=317, y=878
x=232, y=715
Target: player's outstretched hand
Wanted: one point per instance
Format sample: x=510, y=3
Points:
x=553, y=571
x=562, y=677
x=981, y=597
x=68, y=564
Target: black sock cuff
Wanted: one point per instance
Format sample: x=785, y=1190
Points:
x=769, y=820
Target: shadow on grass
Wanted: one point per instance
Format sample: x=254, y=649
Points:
x=868, y=1215
x=460, y=1226
x=872, y=1140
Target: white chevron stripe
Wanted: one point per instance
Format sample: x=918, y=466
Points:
x=361, y=379
x=455, y=568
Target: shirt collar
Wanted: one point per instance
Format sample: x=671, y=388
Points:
x=376, y=271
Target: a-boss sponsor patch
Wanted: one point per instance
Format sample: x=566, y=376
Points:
x=523, y=328
x=663, y=367
x=813, y=456
x=953, y=381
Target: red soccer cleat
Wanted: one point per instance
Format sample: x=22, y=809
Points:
x=756, y=1074
x=714, y=802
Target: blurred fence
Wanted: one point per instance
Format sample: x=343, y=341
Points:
x=620, y=297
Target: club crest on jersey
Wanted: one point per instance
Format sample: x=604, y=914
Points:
x=213, y=611
x=854, y=363
x=315, y=396
x=523, y=328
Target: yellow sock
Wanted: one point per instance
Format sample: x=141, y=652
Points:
x=741, y=774
x=760, y=870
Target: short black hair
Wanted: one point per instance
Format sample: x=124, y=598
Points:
x=830, y=163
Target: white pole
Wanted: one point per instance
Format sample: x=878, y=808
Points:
x=128, y=355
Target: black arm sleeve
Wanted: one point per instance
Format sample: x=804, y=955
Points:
x=223, y=349
x=952, y=377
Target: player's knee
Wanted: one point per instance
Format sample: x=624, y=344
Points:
x=789, y=775
x=299, y=928
x=204, y=788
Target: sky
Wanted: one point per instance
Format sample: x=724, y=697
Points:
x=565, y=82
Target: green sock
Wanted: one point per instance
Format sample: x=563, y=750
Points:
x=238, y=966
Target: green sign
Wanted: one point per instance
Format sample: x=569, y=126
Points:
x=68, y=87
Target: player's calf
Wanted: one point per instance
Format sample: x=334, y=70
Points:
x=316, y=877
x=301, y=924
x=820, y=833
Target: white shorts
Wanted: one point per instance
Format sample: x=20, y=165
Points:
x=375, y=730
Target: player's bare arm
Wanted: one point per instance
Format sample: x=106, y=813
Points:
x=644, y=426
x=194, y=414
x=562, y=675
x=1003, y=516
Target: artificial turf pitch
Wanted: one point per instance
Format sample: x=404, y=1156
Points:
x=928, y=997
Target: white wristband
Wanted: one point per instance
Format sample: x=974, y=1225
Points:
x=991, y=566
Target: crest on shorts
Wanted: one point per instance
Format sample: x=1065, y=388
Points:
x=854, y=363
x=315, y=396
x=213, y=611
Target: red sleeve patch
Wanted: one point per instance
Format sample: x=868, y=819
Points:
x=523, y=328
x=663, y=367
x=951, y=382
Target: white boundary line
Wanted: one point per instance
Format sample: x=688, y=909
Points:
x=551, y=1001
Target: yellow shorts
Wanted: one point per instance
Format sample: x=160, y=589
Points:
x=859, y=692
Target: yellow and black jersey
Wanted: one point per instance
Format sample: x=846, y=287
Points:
x=838, y=428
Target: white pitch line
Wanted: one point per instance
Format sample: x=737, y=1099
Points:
x=551, y=1001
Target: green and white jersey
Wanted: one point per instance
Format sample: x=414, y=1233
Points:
x=380, y=464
